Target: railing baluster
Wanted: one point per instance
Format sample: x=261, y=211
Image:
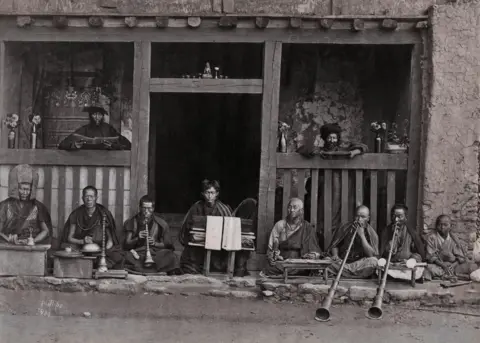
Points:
x=390, y=193
x=287, y=186
x=373, y=198
x=344, y=204
x=301, y=184
x=327, y=205
x=314, y=198
x=358, y=187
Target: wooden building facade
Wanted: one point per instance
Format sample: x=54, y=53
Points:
x=122, y=177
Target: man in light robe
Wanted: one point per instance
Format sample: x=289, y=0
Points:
x=21, y=215
x=84, y=226
x=97, y=128
x=331, y=135
x=192, y=259
x=445, y=255
x=291, y=238
x=362, y=260
x=159, y=240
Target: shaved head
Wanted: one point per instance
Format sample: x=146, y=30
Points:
x=294, y=209
x=363, y=209
x=296, y=202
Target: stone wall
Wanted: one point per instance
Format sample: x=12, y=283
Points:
x=453, y=118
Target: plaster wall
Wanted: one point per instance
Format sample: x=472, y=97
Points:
x=453, y=118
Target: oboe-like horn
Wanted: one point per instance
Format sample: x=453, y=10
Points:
x=375, y=311
x=323, y=313
x=102, y=264
x=148, y=256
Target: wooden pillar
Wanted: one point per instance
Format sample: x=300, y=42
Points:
x=140, y=123
x=415, y=144
x=268, y=161
x=3, y=113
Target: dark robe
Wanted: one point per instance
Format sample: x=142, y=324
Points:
x=358, y=264
x=404, y=248
x=92, y=226
x=192, y=259
x=92, y=130
x=164, y=258
x=301, y=242
x=309, y=150
x=15, y=219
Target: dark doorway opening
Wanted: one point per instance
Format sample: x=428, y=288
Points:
x=203, y=136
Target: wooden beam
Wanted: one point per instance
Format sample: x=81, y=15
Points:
x=246, y=86
x=268, y=169
x=364, y=162
x=415, y=144
x=3, y=87
x=228, y=6
x=65, y=158
x=208, y=34
x=422, y=25
x=141, y=121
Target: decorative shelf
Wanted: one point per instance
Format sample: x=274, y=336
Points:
x=232, y=86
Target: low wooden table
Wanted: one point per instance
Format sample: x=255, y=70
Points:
x=23, y=260
x=305, y=265
x=78, y=267
x=401, y=267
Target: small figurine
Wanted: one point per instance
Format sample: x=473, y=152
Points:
x=217, y=72
x=207, y=72
x=30, y=240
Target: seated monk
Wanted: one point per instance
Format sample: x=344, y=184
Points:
x=362, y=260
x=445, y=255
x=291, y=238
x=159, y=240
x=192, y=259
x=21, y=215
x=84, y=226
x=97, y=128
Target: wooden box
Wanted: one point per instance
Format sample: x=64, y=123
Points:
x=20, y=260
x=78, y=268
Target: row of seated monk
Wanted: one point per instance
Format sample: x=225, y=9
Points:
x=25, y=221
x=294, y=238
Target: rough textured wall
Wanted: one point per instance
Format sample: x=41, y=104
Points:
x=165, y=7
x=451, y=158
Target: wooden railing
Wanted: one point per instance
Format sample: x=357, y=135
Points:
x=63, y=175
x=375, y=180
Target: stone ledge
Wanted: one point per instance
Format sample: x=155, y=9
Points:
x=250, y=288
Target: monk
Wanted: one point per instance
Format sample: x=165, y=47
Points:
x=404, y=247
x=331, y=135
x=84, y=226
x=291, y=238
x=362, y=260
x=21, y=215
x=446, y=257
x=159, y=241
x=192, y=259
x=97, y=128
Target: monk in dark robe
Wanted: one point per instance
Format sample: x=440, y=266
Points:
x=331, y=135
x=97, y=128
x=84, y=226
x=159, y=241
x=446, y=256
x=291, y=238
x=362, y=260
x=21, y=215
x=192, y=259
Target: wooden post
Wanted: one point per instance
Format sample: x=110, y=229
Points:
x=3, y=113
x=268, y=159
x=141, y=122
x=415, y=144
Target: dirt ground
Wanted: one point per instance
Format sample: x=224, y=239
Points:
x=40, y=317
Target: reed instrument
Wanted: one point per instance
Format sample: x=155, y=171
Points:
x=375, y=311
x=102, y=264
x=148, y=256
x=323, y=313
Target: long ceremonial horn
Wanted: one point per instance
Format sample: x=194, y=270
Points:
x=375, y=312
x=102, y=264
x=148, y=256
x=323, y=313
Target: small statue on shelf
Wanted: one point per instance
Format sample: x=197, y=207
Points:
x=217, y=72
x=207, y=72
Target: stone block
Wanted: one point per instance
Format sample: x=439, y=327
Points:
x=242, y=282
x=155, y=287
x=244, y=294
x=406, y=294
x=139, y=279
x=272, y=286
x=358, y=293
x=218, y=293
x=268, y=293
x=118, y=287
x=73, y=268
x=22, y=262
x=308, y=288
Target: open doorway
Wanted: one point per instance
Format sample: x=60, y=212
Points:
x=203, y=136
